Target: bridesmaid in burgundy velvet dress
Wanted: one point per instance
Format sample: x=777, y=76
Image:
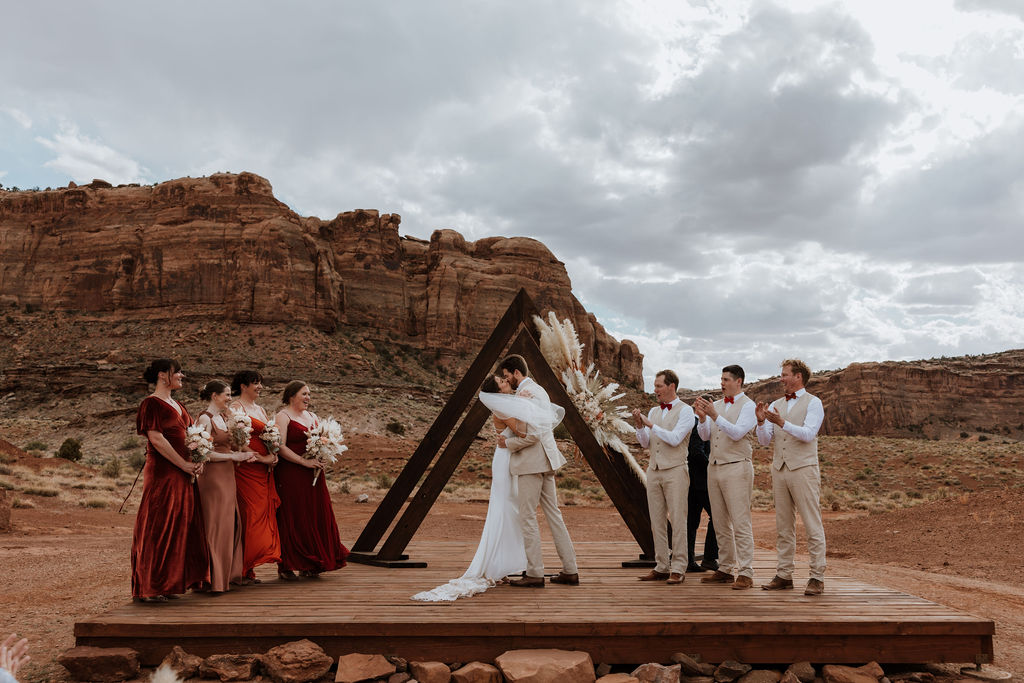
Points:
x=310, y=543
x=257, y=493
x=169, y=552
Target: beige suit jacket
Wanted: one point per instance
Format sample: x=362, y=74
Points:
x=534, y=453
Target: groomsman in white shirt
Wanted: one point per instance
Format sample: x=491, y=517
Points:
x=726, y=423
x=794, y=420
x=665, y=430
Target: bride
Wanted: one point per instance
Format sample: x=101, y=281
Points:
x=500, y=551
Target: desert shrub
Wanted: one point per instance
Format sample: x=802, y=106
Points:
x=344, y=487
x=915, y=494
x=384, y=481
x=963, y=435
x=982, y=437
x=5, y=470
x=71, y=450
x=137, y=460
x=45, y=493
x=22, y=503
x=569, y=483
x=129, y=443
x=94, y=503
x=396, y=427
x=35, y=446
x=112, y=469
x=7, y=459
x=7, y=486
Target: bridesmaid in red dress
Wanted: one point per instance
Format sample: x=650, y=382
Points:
x=217, y=490
x=310, y=543
x=169, y=552
x=257, y=493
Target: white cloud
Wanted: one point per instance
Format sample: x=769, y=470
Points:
x=84, y=159
x=20, y=117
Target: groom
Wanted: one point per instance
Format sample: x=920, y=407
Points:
x=534, y=459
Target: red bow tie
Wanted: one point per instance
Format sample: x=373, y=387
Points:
x=790, y=397
x=666, y=406
x=729, y=399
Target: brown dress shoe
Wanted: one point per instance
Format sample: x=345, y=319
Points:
x=566, y=579
x=654, y=576
x=528, y=582
x=778, y=584
x=814, y=587
x=718, y=577
x=675, y=579
x=743, y=583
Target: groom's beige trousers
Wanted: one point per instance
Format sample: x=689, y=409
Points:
x=539, y=489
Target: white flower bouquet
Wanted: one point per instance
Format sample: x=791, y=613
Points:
x=271, y=436
x=325, y=443
x=239, y=428
x=199, y=444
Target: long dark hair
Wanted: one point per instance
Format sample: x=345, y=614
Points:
x=152, y=373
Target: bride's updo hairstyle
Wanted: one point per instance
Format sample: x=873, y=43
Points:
x=491, y=385
x=214, y=386
x=294, y=387
x=152, y=373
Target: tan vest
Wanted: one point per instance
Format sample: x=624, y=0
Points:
x=663, y=456
x=723, y=449
x=789, y=450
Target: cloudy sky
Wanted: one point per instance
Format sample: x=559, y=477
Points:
x=726, y=181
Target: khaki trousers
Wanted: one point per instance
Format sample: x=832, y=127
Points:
x=534, y=490
x=667, y=500
x=798, y=491
x=730, y=488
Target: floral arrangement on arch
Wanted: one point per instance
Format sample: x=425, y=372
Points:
x=595, y=401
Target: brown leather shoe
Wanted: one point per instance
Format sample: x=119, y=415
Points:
x=528, y=582
x=814, y=587
x=778, y=584
x=654, y=576
x=566, y=579
x=675, y=579
x=742, y=583
x=718, y=577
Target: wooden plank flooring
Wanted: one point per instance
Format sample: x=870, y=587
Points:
x=612, y=615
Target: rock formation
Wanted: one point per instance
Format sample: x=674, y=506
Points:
x=930, y=398
x=223, y=245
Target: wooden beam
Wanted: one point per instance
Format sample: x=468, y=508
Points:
x=435, y=482
x=443, y=424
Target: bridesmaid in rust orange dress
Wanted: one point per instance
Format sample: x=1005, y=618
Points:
x=169, y=552
x=257, y=493
x=217, y=491
x=310, y=543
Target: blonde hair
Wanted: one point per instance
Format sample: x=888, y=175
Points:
x=798, y=366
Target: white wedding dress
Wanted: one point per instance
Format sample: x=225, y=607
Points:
x=501, y=551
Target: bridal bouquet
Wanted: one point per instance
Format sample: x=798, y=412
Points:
x=239, y=428
x=325, y=443
x=199, y=444
x=595, y=402
x=271, y=436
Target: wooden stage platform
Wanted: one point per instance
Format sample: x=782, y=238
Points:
x=612, y=615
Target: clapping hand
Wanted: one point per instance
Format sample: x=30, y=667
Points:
x=762, y=413
x=705, y=408
x=12, y=653
x=641, y=419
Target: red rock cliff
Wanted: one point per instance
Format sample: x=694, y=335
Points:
x=224, y=245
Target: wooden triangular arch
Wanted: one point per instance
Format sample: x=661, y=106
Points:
x=626, y=492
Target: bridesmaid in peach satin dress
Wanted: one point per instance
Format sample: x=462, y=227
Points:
x=217, y=490
x=257, y=492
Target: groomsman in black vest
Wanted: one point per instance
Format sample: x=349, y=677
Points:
x=664, y=430
x=697, y=502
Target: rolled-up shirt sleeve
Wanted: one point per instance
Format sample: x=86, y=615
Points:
x=675, y=436
x=812, y=422
x=744, y=423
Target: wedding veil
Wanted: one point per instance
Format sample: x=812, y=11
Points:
x=539, y=416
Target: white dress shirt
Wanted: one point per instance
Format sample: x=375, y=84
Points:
x=735, y=431
x=672, y=437
x=806, y=432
